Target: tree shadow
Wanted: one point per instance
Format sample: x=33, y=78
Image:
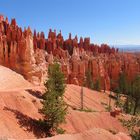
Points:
x=37, y=127
x=34, y=93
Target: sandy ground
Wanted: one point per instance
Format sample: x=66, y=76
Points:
x=20, y=102
x=10, y=79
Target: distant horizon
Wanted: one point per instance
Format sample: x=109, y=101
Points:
x=136, y=45
x=127, y=48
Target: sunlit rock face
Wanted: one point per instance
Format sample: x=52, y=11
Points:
x=30, y=54
x=17, y=51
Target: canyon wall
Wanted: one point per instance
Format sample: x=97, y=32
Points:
x=30, y=54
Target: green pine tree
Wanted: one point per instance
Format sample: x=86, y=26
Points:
x=54, y=107
x=124, y=89
x=122, y=83
x=89, y=81
x=136, y=93
x=97, y=85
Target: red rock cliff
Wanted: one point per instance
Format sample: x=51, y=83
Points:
x=30, y=54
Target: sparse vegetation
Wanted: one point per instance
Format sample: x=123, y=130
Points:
x=108, y=108
x=131, y=94
x=133, y=125
x=90, y=83
x=136, y=93
x=60, y=131
x=97, y=85
x=89, y=80
x=130, y=103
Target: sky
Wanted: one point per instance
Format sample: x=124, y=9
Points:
x=115, y=22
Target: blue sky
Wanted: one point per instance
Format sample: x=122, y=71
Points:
x=104, y=21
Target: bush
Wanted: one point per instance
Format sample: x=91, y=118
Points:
x=60, y=131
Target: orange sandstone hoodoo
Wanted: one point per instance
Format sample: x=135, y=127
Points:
x=30, y=54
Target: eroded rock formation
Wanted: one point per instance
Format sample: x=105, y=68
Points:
x=30, y=54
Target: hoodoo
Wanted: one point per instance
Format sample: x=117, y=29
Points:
x=30, y=53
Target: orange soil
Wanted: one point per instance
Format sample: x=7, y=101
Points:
x=19, y=104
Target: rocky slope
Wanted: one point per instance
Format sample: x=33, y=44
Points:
x=19, y=111
x=30, y=54
x=11, y=80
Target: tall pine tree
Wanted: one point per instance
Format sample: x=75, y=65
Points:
x=54, y=107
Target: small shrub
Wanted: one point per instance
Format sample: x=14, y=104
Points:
x=108, y=108
x=60, y=131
